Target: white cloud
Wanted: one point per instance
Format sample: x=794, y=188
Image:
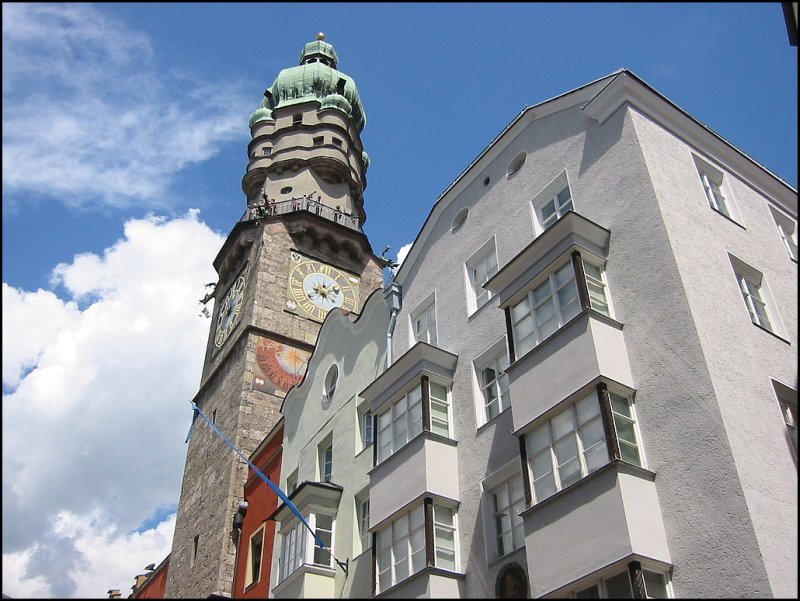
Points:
x=88, y=117
x=94, y=428
x=402, y=254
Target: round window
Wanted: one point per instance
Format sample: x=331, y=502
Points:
x=516, y=163
x=331, y=378
x=286, y=190
x=459, y=219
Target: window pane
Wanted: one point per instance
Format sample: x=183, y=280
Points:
x=655, y=585
x=540, y=439
x=596, y=456
x=569, y=472
x=542, y=464
x=438, y=391
x=564, y=275
x=541, y=293
x=544, y=487
x=588, y=408
x=548, y=210
x=593, y=592
x=630, y=453
x=620, y=405
x=619, y=587
x=625, y=430
x=520, y=309
x=592, y=433
x=562, y=424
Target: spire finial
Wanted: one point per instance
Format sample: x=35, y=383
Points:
x=320, y=36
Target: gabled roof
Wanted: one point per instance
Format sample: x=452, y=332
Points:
x=599, y=99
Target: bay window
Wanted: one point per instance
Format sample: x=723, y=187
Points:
x=556, y=300
x=406, y=417
x=573, y=443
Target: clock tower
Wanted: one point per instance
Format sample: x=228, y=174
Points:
x=298, y=251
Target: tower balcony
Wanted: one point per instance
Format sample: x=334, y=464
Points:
x=302, y=204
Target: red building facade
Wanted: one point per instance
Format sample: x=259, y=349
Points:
x=256, y=534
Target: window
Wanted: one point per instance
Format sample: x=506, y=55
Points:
x=619, y=586
x=508, y=500
x=757, y=298
x=787, y=400
x=254, y=565
x=325, y=461
x=401, y=548
x=362, y=517
x=365, y=425
x=440, y=409
x=195, y=545
x=267, y=150
x=297, y=119
x=493, y=395
x=787, y=227
x=319, y=140
x=716, y=189
x=751, y=292
x=337, y=142
x=444, y=536
x=400, y=423
x=554, y=302
x=331, y=379
x=480, y=267
x=572, y=444
x=291, y=483
x=423, y=324
x=545, y=309
x=403, y=420
x=555, y=207
x=459, y=219
x=299, y=547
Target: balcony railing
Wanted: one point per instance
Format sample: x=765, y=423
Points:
x=268, y=209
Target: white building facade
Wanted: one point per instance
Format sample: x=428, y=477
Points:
x=613, y=412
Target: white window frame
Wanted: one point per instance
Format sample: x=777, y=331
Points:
x=365, y=426
x=787, y=228
x=362, y=518
x=716, y=189
x=530, y=311
x=425, y=313
x=496, y=359
x=585, y=424
x=291, y=483
x=250, y=576
x=787, y=401
x=299, y=547
x=513, y=503
x=550, y=194
x=400, y=542
x=755, y=292
x=326, y=460
x=601, y=584
x=481, y=266
x=445, y=531
x=443, y=404
x=400, y=423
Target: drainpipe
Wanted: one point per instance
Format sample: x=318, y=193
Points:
x=394, y=298
x=238, y=522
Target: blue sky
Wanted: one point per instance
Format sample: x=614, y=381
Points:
x=124, y=146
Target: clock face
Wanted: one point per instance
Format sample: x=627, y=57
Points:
x=315, y=288
x=229, y=312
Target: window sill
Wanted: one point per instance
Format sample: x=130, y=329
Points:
x=424, y=435
x=426, y=571
x=775, y=334
x=478, y=310
x=731, y=219
x=584, y=312
x=485, y=425
x=616, y=464
x=506, y=557
x=306, y=568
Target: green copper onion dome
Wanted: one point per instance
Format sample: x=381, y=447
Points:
x=337, y=101
x=316, y=78
x=261, y=114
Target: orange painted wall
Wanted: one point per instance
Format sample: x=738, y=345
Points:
x=156, y=586
x=262, y=503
